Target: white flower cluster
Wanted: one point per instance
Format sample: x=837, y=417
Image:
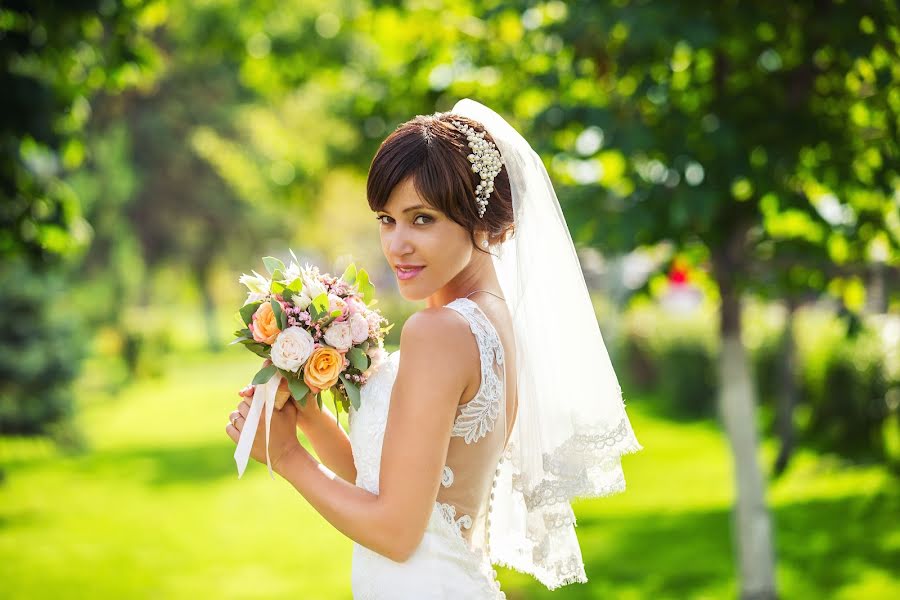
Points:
x=486, y=161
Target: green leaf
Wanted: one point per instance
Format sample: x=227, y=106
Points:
x=277, y=287
x=243, y=333
x=239, y=340
x=349, y=274
x=299, y=390
x=352, y=392
x=358, y=359
x=258, y=348
x=321, y=303
x=273, y=264
x=247, y=311
x=296, y=285
x=287, y=293
x=366, y=289
x=335, y=313
x=280, y=317
x=339, y=399
x=264, y=374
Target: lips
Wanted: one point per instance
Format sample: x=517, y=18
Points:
x=405, y=272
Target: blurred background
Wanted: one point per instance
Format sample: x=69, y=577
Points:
x=729, y=170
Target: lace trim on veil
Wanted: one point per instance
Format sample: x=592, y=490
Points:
x=595, y=453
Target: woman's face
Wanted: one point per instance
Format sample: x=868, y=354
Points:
x=425, y=248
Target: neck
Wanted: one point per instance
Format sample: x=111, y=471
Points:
x=479, y=274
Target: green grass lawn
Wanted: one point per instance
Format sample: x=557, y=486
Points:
x=153, y=509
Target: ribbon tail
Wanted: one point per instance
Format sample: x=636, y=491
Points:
x=271, y=390
x=263, y=395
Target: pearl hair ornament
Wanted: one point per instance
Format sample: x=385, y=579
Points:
x=486, y=161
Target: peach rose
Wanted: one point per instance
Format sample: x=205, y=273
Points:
x=322, y=369
x=264, y=325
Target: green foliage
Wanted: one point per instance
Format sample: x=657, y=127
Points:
x=844, y=382
x=848, y=412
x=41, y=350
x=55, y=57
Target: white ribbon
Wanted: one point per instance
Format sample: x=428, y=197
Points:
x=262, y=394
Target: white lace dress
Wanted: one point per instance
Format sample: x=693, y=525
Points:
x=452, y=559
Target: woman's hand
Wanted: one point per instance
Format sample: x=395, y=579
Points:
x=282, y=430
x=306, y=415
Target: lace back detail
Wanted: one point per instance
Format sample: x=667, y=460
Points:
x=477, y=438
x=478, y=416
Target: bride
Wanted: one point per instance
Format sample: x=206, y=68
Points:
x=466, y=452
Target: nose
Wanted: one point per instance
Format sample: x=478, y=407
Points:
x=400, y=243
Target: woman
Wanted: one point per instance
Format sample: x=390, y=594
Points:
x=468, y=450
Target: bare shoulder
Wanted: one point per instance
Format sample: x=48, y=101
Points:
x=441, y=337
x=439, y=326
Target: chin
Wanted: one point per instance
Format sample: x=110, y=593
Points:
x=413, y=294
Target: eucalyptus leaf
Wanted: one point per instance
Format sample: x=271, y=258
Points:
x=247, y=311
x=296, y=285
x=358, y=359
x=321, y=302
x=299, y=390
x=264, y=374
x=349, y=274
x=352, y=392
x=280, y=317
x=366, y=289
x=273, y=264
x=257, y=348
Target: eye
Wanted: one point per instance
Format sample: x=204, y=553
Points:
x=426, y=217
x=381, y=219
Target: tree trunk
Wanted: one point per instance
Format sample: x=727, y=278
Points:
x=786, y=398
x=751, y=525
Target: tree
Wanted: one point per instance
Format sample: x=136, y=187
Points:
x=727, y=126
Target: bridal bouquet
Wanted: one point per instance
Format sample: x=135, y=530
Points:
x=318, y=335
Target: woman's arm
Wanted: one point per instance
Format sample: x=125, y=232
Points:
x=324, y=433
x=328, y=439
x=430, y=381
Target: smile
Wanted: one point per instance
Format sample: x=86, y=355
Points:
x=408, y=273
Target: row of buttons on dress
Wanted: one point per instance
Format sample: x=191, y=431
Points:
x=487, y=525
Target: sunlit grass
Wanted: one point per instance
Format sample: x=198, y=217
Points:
x=153, y=508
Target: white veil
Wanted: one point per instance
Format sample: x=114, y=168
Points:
x=571, y=428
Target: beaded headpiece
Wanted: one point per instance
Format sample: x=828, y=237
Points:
x=486, y=161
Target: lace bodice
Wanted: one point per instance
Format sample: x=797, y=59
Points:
x=477, y=439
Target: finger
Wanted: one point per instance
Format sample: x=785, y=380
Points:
x=232, y=432
x=244, y=409
x=248, y=391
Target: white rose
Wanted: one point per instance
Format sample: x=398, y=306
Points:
x=291, y=348
x=359, y=328
x=338, y=336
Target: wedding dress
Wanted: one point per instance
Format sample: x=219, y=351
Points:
x=452, y=560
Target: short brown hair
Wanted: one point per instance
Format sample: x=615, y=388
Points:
x=431, y=150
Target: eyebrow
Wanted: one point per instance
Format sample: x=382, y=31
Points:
x=411, y=208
